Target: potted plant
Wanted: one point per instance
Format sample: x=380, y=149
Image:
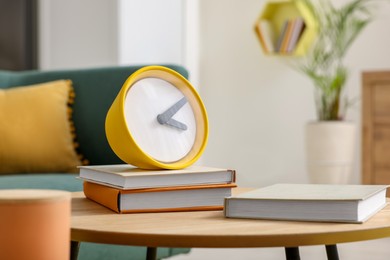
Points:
x=330, y=140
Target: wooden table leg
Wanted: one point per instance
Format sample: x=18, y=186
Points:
x=74, y=250
x=292, y=253
x=331, y=252
x=151, y=253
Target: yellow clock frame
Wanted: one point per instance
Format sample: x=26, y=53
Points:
x=120, y=137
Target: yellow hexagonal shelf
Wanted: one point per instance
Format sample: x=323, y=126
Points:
x=286, y=27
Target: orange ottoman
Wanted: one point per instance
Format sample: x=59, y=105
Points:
x=35, y=224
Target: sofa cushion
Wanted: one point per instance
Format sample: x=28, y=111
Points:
x=35, y=129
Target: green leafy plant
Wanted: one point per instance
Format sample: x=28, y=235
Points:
x=338, y=28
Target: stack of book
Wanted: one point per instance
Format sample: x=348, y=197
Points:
x=126, y=189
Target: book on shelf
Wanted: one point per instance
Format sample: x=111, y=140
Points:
x=287, y=36
x=297, y=31
x=125, y=176
x=281, y=37
x=266, y=35
x=166, y=199
x=308, y=202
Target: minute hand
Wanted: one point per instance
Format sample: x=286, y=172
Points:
x=170, y=112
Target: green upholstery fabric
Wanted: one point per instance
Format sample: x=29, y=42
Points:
x=95, y=91
x=118, y=252
x=55, y=181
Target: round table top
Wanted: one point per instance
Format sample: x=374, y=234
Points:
x=92, y=222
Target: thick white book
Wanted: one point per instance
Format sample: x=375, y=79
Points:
x=266, y=34
x=124, y=176
x=183, y=198
x=308, y=202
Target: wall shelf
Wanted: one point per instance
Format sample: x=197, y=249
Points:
x=277, y=31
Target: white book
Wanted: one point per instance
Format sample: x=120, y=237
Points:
x=124, y=176
x=309, y=202
x=267, y=33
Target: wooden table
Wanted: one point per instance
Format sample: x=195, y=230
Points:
x=209, y=229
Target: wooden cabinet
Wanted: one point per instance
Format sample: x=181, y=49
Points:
x=376, y=127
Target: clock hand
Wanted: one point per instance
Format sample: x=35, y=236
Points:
x=170, y=112
x=174, y=123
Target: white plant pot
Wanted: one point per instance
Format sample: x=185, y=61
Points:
x=330, y=149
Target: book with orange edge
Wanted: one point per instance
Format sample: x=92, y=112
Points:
x=297, y=31
x=266, y=35
x=261, y=38
x=281, y=36
x=287, y=36
x=163, y=199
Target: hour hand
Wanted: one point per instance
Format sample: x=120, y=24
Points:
x=174, y=123
x=170, y=112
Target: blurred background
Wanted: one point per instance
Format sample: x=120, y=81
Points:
x=258, y=105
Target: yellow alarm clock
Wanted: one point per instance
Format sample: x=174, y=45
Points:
x=157, y=121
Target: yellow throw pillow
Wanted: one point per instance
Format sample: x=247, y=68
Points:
x=36, y=132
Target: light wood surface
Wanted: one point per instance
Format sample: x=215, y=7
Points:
x=94, y=223
x=376, y=127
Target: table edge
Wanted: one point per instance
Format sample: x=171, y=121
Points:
x=227, y=241
x=292, y=240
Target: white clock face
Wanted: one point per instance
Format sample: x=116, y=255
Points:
x=160, y=119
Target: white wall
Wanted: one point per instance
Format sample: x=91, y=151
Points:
x=76, y=34
x=93, y=33
x=258, y=105
x=159, y=32
x=150, y=32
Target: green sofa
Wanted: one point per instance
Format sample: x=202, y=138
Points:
x=95, y=90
